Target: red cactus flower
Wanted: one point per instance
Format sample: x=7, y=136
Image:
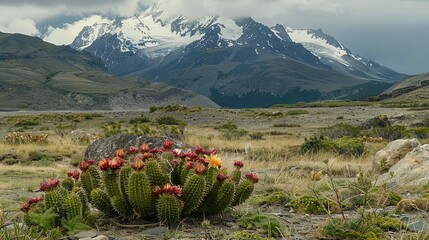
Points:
x=90, y=162
x=213, y=151
x=177, y=191
x=192, y=155
x=155, y=151
x=48, y=185
x=84, y=166
x=138, y=164
x=103, y=164
x=74, y=174
x=144, y=148
x=167, y=144
x=157, y=191
x=120, y=153
x=115, y=163
x=147, y=155
x=26, y=207
x=238, y=164
x=200, y=168
x=202, y=160
x=189, y=165
x=199, y=150
x=133, y=150
x=176, y=152
x=221, y=177
x=252, y=176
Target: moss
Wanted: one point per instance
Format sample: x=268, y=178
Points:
x=311, y=204
x=273, y=198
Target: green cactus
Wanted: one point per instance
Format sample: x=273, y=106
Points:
x=122, y=207
x=155, y=174
x=73, y=206
x=175, y=174
x=83, y=199
x=184, y=175
x=236, y=176
x=90, y=180
x=101, y=201
x=111, y=183
x=211, y=177
x=243, y=192
x=224, y=198
x=55, y=199
x=193, y=192
x=140, y=193
x=68, y=183
x=169, y=208
x=210, y=197
x=124, y=178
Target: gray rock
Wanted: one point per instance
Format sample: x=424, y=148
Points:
x=418, y=226
x=101, y=237
x=85, y=234
x=155, y=231
x=86, y=238
x=106, y=147
x=378, y=121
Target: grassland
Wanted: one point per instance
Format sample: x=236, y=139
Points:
x=275, y=156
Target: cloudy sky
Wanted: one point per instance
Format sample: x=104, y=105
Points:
x=394, y=33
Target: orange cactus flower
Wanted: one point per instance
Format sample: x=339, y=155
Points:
x=214, y=161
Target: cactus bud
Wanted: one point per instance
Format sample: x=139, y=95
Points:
x=138, y=164
x=189, y=165
x=144, y=148
x=120, y=153
x=133, y=150
x=252, y=177
x=103, y=164
x=74, y=174
x=157, y=191
x=238, y=164
x=115, y=163
x=49, y=185
x=167, y=144
x=84, y=166
x=199, y=150
x=155, y=151
x=200, y=168
x=90, y=162
x=192, y=155
x=221, y=177
x=147, y=155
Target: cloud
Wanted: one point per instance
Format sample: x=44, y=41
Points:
x=24, y=26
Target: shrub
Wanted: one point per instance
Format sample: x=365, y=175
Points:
x=341, y=130
x=144, y=184
x=112, y=128
x=286, y=125
x=268, y=224
x=296, y=112
x=313, y=205
x=344, y=145
x=233, y=134
x=256, y=136
x=390, y=132
x=141, y=119
x=169, y=120
x=153, y=109
x=26, y=123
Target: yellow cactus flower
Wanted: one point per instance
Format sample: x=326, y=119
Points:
x=214, y=161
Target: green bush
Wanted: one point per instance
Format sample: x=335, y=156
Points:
x=26, y=123
x=169, y=120
x=341, y=130
x=256, y=135
x=141, y=119
x=296, y=112
x=390, y=133
x=268, y=224
x=286, y=125
x=344, y=145
x=311, y=204
x=153, y=109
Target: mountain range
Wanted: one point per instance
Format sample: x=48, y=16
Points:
x=36, y=75
x=234, y=62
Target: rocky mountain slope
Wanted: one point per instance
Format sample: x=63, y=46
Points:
x=35, y=75
x=413, y=88
x=235, y=62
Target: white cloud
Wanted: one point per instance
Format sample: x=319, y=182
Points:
x=24, y=26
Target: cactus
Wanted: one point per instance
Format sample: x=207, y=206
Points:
x=73, y=206
x=224, y=198
x=236, y=176
x=68, y=183
x=110, y=180
x=122, y=207
x=140, y=193
x=90, y=180
x=211, y=177
x=184, y=174
x=177, y=170
x=193, y=192
x=155, y=174
x=101, y=201
x=243, y=192
x=124, y=177
x=55, y=199
x=169, y=208
x=83, y=199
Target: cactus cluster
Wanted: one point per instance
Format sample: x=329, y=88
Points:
x=144, y=182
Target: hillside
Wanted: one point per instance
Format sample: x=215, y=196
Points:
x=35, y=75
x=413, y=88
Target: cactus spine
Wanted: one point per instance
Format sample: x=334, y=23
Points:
x=224, y=198
x=122, y=207
x=169, y=208
x=175, y=174
x=55, y=200
x=101, y=201
x=140, y=193
x=243, y=192
x=73, y=206
x=83, y=199
x=111, y=183
x=211, y=177
x=236, y=176
x=193, y=192
x=155, y=175
x=184, y=175
x=68, y=183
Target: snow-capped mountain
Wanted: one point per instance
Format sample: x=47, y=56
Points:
x=228, y=59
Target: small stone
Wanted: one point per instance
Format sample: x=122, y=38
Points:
x=418, y=226
x=86, y=238
x=101, y=237
x=155, y=231
x=84, y=234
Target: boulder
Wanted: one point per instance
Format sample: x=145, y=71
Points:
x=105, y=147
x=410, y=171
x=392, y=153
x=374, y=122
